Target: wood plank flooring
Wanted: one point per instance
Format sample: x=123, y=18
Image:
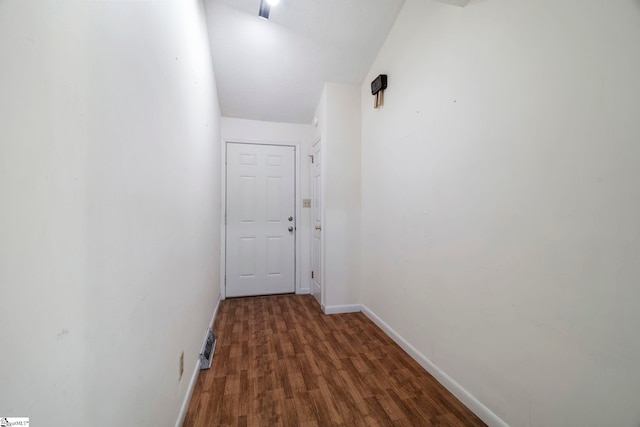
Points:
x=280, y=361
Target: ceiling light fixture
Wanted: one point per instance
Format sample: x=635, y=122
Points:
x=265, y=7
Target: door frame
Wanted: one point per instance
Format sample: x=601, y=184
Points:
x=223, y=210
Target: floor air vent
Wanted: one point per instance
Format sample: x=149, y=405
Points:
x=209, y=346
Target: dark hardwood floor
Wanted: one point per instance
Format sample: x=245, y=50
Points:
x=280, y=361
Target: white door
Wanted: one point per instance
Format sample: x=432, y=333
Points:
x=316, y=223
x=260, y=244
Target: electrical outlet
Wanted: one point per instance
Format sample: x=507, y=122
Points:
x=181, y=366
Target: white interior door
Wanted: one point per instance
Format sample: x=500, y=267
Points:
x=260, y=230
x=316, y=223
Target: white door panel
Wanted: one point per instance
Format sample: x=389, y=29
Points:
x=260, y=233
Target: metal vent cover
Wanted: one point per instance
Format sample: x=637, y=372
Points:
x=208, y=347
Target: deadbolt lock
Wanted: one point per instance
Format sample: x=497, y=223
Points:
x=290, y=218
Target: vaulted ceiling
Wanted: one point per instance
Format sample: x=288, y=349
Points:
x=275, y=69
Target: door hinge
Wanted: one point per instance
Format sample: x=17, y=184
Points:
x=312, y=274
x=311, y=158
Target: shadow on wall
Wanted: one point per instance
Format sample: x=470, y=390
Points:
x=475, y=2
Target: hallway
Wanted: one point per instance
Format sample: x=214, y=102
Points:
x=280, y=361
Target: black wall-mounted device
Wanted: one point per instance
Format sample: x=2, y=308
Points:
x=378, y=84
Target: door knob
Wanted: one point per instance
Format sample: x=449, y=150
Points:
x=318, y=227
x=290, y=228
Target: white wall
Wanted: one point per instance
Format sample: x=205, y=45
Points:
x=342, y=195
x=338, y=114
x=500, y=202
x=260, y=132
x=109, y=218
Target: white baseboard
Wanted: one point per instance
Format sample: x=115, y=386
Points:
x=187, y=398
x=339, y=309
x=449, y=383
x=215, y=313
x=194, y=375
